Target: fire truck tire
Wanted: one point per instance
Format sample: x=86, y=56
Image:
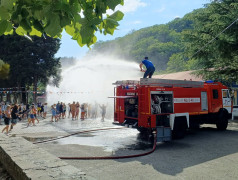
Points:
x=180, y=126
x=144, y=130
x=222, y=120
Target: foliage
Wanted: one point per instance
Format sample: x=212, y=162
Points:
x=79, y=18
x=158, y=42
x=4, y=70
x=176, y=63
x=219, y=59
x=185, y=43
x=30, y=61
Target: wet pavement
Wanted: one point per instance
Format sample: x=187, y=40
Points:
x=110, y=140
x=203, y=154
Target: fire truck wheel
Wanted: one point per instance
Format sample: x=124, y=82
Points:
x=180, y=126
x=222, y=120
x=144, y=130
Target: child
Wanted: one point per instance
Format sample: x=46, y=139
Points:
x=82, y=112
x=53, y=110
x=32, y=116
x=45, y=110
x=35, y=112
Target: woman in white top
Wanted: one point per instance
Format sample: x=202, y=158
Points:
x=45, y=110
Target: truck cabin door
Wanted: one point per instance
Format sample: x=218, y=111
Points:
x=215, y=105
x=226, y=100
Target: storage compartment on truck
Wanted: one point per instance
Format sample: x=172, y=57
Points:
x=161, y=102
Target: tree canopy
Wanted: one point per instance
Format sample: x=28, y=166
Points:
x=158, y=42
x=212, y=43
x=79, y=18
x=31, y=61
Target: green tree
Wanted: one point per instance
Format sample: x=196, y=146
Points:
x=4, y=70
x=31, y=61
x=79, y=18
x=176, y=63
x=219, y=58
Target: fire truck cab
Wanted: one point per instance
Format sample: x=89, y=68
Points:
x=170, y=106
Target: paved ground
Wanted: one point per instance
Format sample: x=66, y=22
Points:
x=202, y=154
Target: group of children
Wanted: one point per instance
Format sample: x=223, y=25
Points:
x=11, y=114
x=59, y=111
x=40, y=109
x=85, y=110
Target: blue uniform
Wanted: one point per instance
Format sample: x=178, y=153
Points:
x=150, y=69
x=147, y=63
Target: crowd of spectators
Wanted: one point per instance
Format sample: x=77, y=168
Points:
x=10, y=114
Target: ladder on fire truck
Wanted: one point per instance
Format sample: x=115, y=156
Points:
x=160, y=82
x=170, y=83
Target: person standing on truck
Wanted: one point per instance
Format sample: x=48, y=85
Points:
x=150, y=69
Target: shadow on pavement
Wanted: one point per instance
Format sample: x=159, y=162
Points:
x=197, y=147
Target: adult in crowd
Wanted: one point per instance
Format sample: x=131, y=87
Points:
x=69, y=110
x=0, y=115
x=82, y=107
x=61, y=110
x=7, y=119
x=64, y=111
x=77, y=110
x=58, y=109
x=73, y=110
x=45, y=110
x=103, y=110
x=14, y=115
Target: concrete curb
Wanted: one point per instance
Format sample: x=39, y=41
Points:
x=24, y=160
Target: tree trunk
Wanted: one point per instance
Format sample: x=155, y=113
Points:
x=15, y=97
x=9, y=97
x=35, y=90
x=23, y=92
x=26, y=93
x=23, y=95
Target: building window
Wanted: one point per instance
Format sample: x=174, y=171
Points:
x=225, y=94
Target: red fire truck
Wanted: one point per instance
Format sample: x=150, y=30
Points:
x=170, y=106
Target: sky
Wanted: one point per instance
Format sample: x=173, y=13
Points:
x=137, y=14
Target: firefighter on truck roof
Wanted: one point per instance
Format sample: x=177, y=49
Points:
x=150, y=69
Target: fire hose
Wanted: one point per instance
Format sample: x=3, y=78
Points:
x=101, y=157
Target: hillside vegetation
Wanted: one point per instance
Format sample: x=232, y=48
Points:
x=158, y=42
x=182, y=44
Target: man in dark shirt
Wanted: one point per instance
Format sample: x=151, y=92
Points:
x=61, y=110
x=150, y=69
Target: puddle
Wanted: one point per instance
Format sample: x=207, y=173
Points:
x=110, y=140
